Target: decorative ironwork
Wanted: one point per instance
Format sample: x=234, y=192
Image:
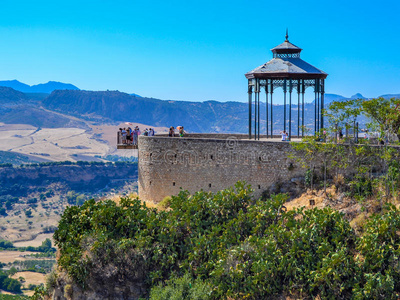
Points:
x=287, y=55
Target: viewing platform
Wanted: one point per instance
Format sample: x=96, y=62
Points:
x=126, y=146
x=123, y=143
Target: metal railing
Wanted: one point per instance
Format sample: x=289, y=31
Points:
x=124, y=140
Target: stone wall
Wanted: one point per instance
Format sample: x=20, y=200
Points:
x=168, y=164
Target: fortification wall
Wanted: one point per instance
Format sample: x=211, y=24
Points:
x=168, y=164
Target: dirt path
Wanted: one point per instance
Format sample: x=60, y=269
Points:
x=36, y=242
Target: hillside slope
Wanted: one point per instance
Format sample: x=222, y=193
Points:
x=208, y=116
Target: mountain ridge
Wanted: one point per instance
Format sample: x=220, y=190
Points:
x=110, y=107
x=38, y=88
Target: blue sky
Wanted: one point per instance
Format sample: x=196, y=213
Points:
x=197, y=50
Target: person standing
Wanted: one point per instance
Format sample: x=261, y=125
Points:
x=283, y=133
x=129, y=136
x=135, y=136
x=171, y=132
x=181, y=131
x=124, y=136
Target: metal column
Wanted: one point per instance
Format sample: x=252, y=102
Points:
x=250, y=90
x=318, y=107
x=258, y=108
x=315, y=107
x=284, y=105
x=290, y=109
x=272, y=115
x=298, y=108
x=255, y=109
x=322, y=102
x=266, y=105
x=303, y=91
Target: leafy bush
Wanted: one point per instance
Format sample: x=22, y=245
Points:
x=6, y=244
x=28, y=213
x=231, y=245
x=165, y=203
x=184, y=288
x=9, y=284
x=13, y=297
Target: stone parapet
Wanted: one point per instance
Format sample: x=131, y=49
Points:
x=167, y=165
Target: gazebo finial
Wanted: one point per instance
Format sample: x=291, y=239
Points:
x=287, y=36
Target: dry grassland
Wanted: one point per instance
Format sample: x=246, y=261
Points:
x=11, y=256
x=30, y=278
x=36, y=242
x=60, y=144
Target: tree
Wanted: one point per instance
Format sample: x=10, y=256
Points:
x=46, y=244
x=385, y=113
x=342, y=113
x=3, y=211
x=314, y=151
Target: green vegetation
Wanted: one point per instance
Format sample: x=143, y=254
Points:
x=5, y=244
x=8, y=159
x=8, y=284
x=46, y=247
x=182, y=288
x=39, y=266
x=237, y=246
x=41, y=255
x=383, y=114
x=34, y=185
x=118, y=158
x=13, y=297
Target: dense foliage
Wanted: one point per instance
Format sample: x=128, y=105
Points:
x=236, y=246
x=46, y=247
x=8, y=284
x=13, y=297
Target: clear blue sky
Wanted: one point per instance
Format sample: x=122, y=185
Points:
x=197, y=50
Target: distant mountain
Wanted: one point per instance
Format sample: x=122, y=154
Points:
x=9, y=96
x=40, y=109
x=328, y=98
x=208, y=116
x=357, y=96
x=333, y=97
x=388, y=96
x=39, y=88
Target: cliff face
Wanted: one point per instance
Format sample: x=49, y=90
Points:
x=107, y=288
x=85, y=177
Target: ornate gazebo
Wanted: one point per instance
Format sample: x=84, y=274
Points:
x=288, y=71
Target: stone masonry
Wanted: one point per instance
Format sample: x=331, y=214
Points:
x=210, y=163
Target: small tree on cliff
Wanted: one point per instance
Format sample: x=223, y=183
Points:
x=315, y=151
x=385, y=113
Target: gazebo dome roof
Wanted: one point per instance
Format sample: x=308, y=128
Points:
x=286, y=45
x=286, y=64
x=288, y=67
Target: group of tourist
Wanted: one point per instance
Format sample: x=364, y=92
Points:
x=285, y=136
x=181, y=131
x=130, y=137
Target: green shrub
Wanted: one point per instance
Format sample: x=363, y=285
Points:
x=165, y=203
x=182, y=288
x=231, y=245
